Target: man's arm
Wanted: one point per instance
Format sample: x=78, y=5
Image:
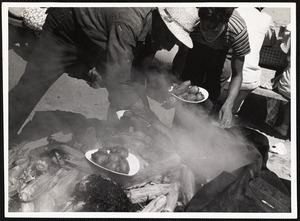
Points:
x=119, y=58
x=121, y=89
x=225, y=115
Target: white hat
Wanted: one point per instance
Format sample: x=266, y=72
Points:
x=180, y=22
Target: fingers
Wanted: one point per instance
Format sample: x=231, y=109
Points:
x=225, y=120
x=227, y=124
x=96, y=80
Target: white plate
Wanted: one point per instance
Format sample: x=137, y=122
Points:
x=202, y=90
x=134, y=164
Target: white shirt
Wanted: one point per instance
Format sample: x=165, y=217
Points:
x=258, y=23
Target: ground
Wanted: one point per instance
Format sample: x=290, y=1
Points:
x=71, y=95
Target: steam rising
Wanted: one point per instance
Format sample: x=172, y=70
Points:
x=207, y=149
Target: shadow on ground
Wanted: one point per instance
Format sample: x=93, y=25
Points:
x=45, y=123
x=22, y=41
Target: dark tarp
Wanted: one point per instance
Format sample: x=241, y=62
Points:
x=245, y=190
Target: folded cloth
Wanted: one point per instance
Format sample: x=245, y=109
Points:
x=272, y=111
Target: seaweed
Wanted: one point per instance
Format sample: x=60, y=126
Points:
x=102, y=195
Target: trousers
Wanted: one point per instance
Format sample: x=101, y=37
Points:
x=56, y=52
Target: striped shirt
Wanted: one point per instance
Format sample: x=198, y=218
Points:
x=235, y=36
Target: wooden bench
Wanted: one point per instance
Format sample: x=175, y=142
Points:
x=267, y=75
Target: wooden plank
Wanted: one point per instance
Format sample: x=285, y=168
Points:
x=268, y=93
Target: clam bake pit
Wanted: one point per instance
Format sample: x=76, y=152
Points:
x=48, y=164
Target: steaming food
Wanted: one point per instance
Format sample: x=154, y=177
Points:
x=182, y=88
x=43, y=164
x=114, y=159
x=35, y=187
x=193, y=90
x=191, y=97
x=124, y=166
x=46, y=181
x=187, y=92
x=199, y=96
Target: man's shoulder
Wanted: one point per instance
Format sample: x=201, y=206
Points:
x=236, y=23
x=129, y=14
x=125, y=14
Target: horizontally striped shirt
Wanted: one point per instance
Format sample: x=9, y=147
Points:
x=235, y=36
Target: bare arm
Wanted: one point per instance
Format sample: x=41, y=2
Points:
x=225, y=114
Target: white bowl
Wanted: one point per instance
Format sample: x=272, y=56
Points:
x=202, y=90
x=134, y=164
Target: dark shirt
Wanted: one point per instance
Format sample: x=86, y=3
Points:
x=117, y=39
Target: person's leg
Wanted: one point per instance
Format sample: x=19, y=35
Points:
x=45, y=66
x=283, y=128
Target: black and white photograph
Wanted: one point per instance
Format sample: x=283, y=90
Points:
x=149, y=110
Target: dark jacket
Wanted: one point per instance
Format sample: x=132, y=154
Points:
x=117, y=39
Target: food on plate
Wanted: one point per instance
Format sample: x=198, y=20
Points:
x=122, y=152
x=193, y=90
x=182, y=88
x=113, y=159
x=100, y=157
x=187, y=92
x=112, y=165
x=124, y=166
x=199, y=96
x=191, y=97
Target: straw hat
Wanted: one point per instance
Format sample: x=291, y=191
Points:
x=180, y=22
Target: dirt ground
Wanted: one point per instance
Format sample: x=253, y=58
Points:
x=69, y=95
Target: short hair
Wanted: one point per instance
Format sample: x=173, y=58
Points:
x=216, y=14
